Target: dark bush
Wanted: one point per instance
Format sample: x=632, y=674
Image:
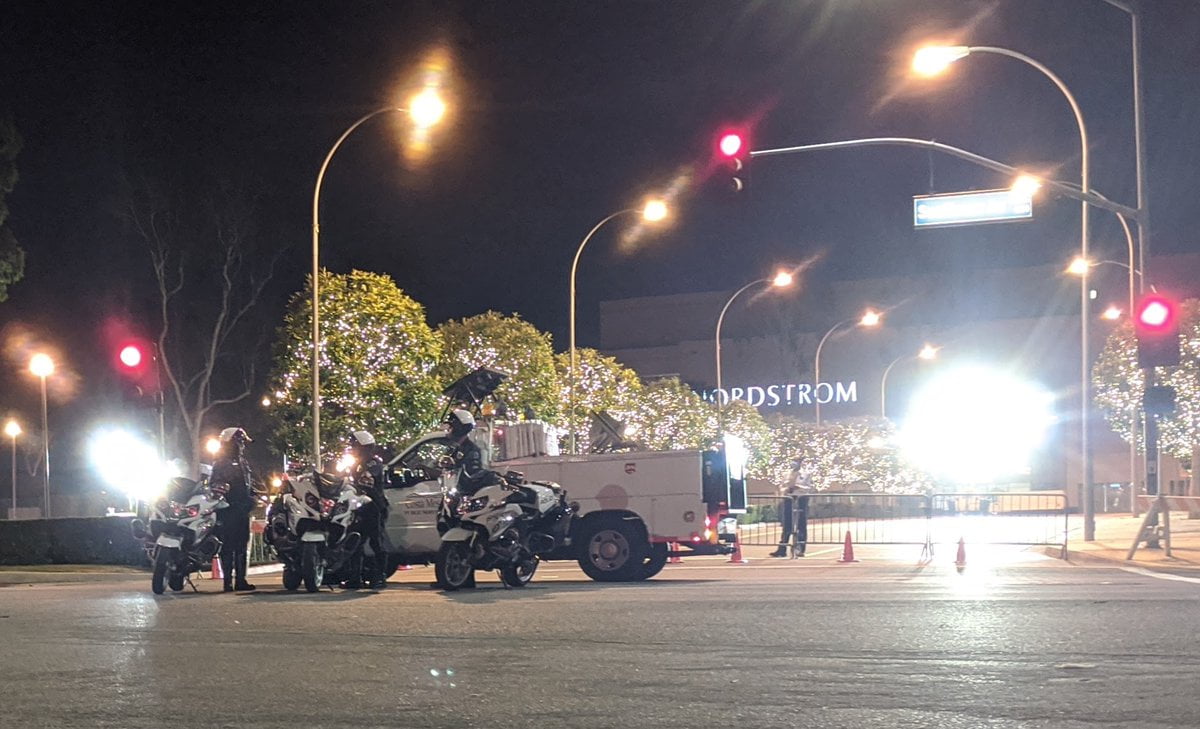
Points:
x=92, y=540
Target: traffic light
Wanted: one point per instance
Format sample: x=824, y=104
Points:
x=1156, y=324
x=135, y=361
x=733, y=150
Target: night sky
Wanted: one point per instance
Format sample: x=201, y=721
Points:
x=563, y=112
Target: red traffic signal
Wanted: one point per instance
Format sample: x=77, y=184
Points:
x=131, y=356
x=731, y=144
x=732, y=151
x=1156, y=324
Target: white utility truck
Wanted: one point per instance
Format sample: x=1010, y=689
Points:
x=630, y=506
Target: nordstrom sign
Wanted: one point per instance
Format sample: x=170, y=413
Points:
x=787, y=394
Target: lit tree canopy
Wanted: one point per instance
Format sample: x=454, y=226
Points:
x=855, y=453
x=509, y=344
x=670, y=416
x=602, y=384
x=377, y=365
x=1118, y=385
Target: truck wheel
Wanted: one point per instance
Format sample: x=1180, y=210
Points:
x=453, y=568
x=312, y=567
x=613, y=551
x=655, y=560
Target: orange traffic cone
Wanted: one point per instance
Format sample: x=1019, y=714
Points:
x=673, y=550
x=736, y=557
x=961, y=560
x=217, y=574
x=847, y=550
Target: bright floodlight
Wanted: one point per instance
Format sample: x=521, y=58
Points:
x=730, y=144
x=736, y=456
x=1079, y=266
x=1112, y=313
x=932, y=60
x=782, y=279
x=871, y=318
x=41, y=365
x=426, y=108
x=1026, y=185
x=213, y=446
x=928, y=352
x=12, y=429
x=129, y=463
x=977, y=425
x=654, y=210
x=131, y=356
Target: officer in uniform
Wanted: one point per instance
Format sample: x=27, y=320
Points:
x=233, y=523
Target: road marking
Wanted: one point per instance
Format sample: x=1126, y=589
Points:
x=1162, y=575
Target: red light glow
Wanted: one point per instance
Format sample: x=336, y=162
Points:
x=1156, y=313
x=730, y=144
x=131, y=356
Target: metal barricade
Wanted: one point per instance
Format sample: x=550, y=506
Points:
x=1014, y=518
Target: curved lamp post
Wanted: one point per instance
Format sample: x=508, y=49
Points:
x=870, y=318
x=927, y=352
x=783, y=279
x=654, y=211
x=935, y=59
x=426, y=109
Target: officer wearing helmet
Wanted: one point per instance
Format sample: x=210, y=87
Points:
x=370, y=479
x=230, y=467
x=466, y=454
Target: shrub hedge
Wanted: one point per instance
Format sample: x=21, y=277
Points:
x=91, y=540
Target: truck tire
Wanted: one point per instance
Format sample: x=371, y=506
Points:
x=613, y=550
x=656, y=559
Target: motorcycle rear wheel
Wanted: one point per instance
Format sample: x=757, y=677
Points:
x=176, y=581
x=312, y=567
x=162, y=563
x=519, y=575
x=453, y=568
x=291, y=579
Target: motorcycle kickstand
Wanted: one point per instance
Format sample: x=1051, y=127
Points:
x=191, y=584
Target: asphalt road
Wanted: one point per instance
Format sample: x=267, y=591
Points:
x=1015, y=640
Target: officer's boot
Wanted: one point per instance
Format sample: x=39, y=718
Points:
x=242, y=585
x=227, y=562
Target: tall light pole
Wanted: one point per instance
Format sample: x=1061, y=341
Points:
x=426, y=109
x=932, y=60
x=927, y=352
x=869, y=319
x=42, y=366
x=12, y=429
x=654, y=211
x=783, y=279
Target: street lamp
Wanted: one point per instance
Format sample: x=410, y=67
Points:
x=1112, y=313
x=928, y=352
x=870, y=318
x=783, y=279
x=42, y=366
x=425, y=109
x=935, y=59
x=655, y=210
x=12, y=429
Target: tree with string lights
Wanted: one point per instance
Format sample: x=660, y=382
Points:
x=602, y=384
x=377, y=359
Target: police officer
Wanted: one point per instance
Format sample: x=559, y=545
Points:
x=233, y=523
x=466, y=454
x=370, y=478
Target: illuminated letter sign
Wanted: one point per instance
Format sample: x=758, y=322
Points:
x=787, y=394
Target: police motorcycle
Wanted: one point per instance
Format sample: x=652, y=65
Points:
x=180, y=538
x=506, y=525
x=312, y=526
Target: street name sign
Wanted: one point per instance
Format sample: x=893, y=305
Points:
x=970, y=208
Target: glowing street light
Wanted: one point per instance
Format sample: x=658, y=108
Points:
x=869, y=320
x=213, y=446
x=1026, y=185
x=427, y=108
x=655, y=210
x=1112, y=313
x=933, y=60
x=782, y=279
x=12, y=429
x=1079, y=266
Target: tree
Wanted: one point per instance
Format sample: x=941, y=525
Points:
x=377, y=356
x=209, y=272
x=671, y=416
x=1118, y=385
x=509, y=344
x=855, y=454
x=12, y=257
x=602, y=384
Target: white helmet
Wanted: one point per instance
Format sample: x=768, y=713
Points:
x=362, y=437
x=460, y=420
x=236, y=435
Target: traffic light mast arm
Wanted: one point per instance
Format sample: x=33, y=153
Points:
x=1063, y=189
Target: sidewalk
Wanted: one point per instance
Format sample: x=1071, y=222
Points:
x=1115, y=533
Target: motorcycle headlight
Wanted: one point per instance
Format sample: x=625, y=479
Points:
x=473, y=505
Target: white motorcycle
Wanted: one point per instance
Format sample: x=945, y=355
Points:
x=506, y=526
x=181, y=535
x=313, y=527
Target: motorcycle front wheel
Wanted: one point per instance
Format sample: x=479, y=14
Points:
x=162, y=564
x=519, y=575
x=291, y=578
x=312, y=567
x=453, y=568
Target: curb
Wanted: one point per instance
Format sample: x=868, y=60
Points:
x=1098, y=560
